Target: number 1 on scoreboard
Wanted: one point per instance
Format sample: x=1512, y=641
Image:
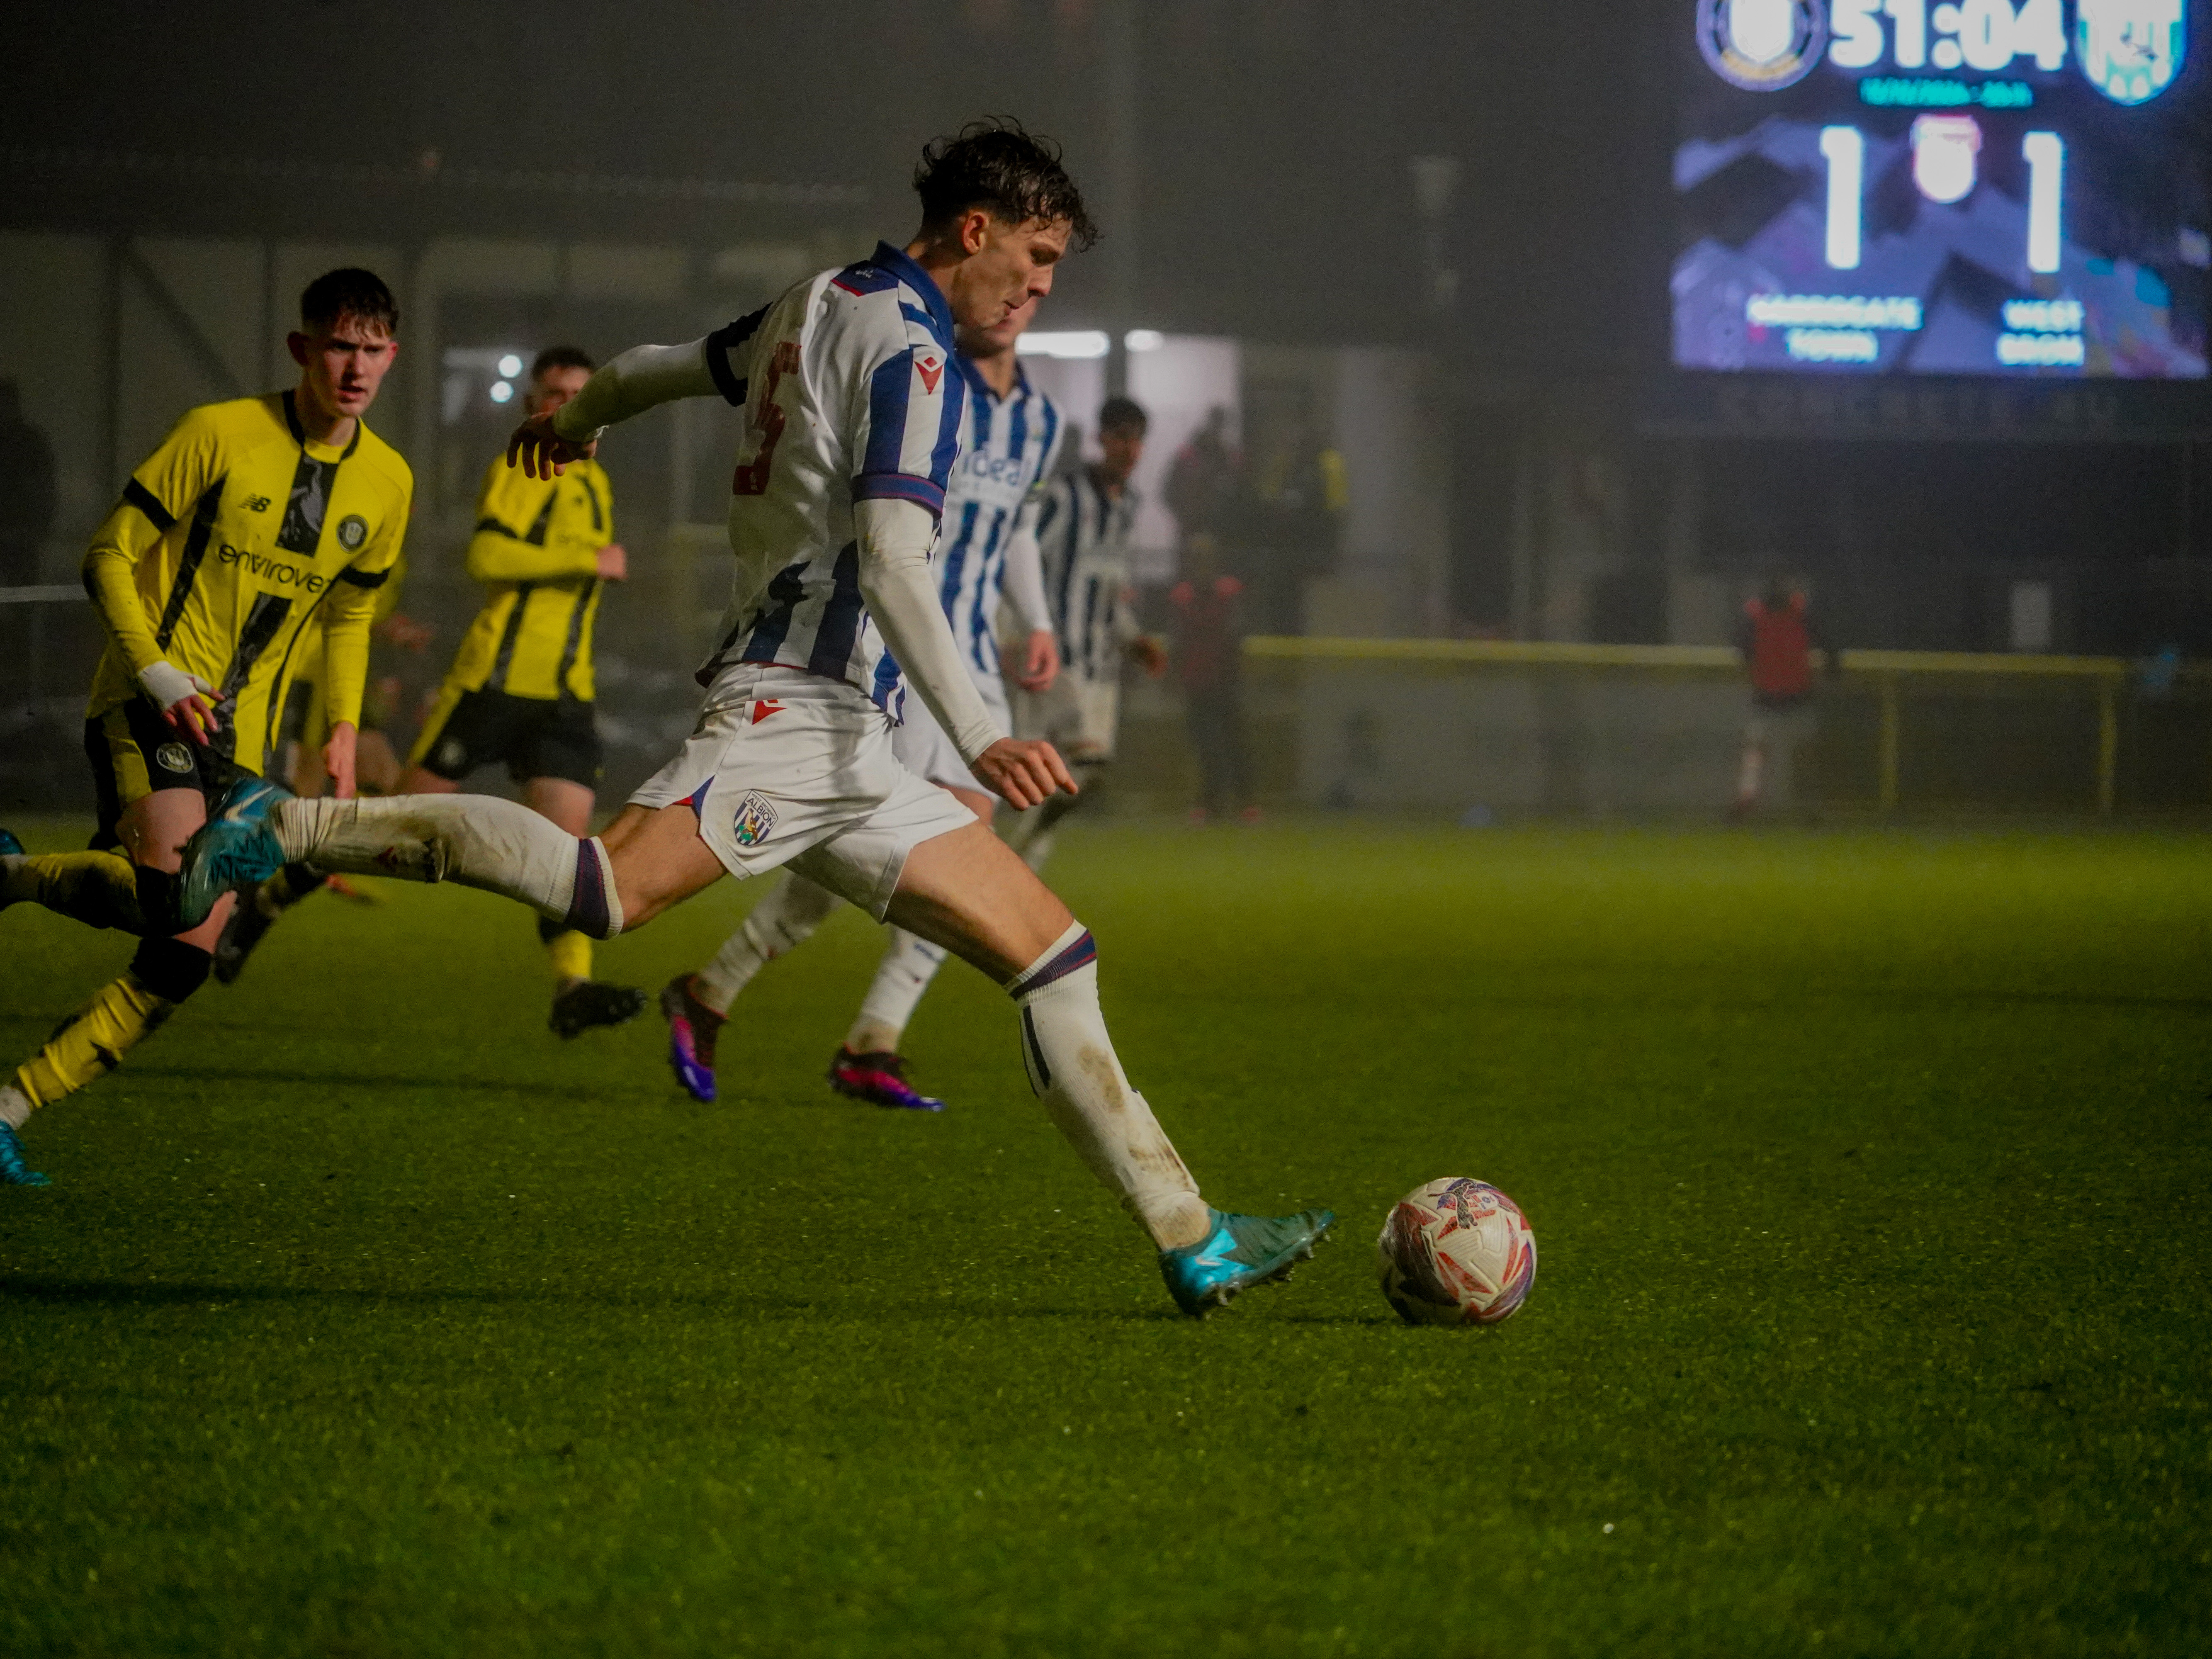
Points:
x=2046, y=187
x=1845, y=149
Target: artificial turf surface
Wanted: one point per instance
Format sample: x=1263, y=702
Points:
x=1868, y=1172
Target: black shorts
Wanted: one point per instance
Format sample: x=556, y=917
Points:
x=537, y=737
x=134, y=753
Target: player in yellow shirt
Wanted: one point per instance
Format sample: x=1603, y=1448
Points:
x=255, y=522
x=520, y=690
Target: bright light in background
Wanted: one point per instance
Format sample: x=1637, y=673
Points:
x=1144, y=339
x=501, y=391
x=1085, y=342
x=509, y=367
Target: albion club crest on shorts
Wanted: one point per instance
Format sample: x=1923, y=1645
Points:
x=756, y=818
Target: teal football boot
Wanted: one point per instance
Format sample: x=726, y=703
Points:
x=235, y=847
x=9, y=847
x=1242, y=1250
x=14, y=1171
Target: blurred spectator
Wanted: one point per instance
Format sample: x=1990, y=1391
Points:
x=1205, y=478
x=1207, y=651
x=1777, y=638
x=1298, y=497
x=27, y=491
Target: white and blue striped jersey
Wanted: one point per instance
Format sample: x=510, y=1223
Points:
x=850, y=394
x=1084, y=536
x=1006, y=452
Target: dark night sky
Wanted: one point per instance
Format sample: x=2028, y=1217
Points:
x=1275, y=134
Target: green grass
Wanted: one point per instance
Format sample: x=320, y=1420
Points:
x=1869, y=1173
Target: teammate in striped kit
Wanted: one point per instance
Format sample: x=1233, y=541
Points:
x=1010, y=440
x=851, y=431
x=1083, y=522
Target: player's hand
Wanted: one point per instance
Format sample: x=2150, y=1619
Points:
x=186, y=700
x=338, y=757
x=1023, y=774
x=614, y=562
x=1040, y=664
x=1149, y=654
x=542, y=453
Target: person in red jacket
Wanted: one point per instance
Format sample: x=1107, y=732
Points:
x=1777, y=638
x=1208, y=644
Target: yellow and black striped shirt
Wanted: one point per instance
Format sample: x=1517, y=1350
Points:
x=536, y=549
x=233, y=540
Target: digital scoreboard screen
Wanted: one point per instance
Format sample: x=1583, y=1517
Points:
x=1978, y=188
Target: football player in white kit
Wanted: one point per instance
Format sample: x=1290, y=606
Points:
x=853, y=420
x=1010, y=438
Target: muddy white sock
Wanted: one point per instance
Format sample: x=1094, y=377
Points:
x=500, y=846
x=782, y=921
x=15, y=1106
x=1074, y=1071
x=909, y=963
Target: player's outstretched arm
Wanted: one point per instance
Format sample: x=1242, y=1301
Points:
x=895, y=538
x=542, y=453
x=642, y=378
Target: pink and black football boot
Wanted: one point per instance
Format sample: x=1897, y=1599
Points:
x=879, y=1080
x=692, y=1028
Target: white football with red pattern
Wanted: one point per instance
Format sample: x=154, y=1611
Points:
x=1456, y=1252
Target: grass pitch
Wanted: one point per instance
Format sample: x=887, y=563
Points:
x=365, y=1318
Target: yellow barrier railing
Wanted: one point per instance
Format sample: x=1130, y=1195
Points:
x=1888, y=670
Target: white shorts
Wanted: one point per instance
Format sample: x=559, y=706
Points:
x=923, y=747
x=790, y=768
x=1077, y=716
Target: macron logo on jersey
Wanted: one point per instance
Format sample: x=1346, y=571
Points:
x=931, y=370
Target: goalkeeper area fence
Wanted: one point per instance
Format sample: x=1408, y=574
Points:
x=1514, y=729
x=1475, y=729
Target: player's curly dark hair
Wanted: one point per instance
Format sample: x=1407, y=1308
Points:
x=561, y=357
x=353, y=293
x=1123, y=414
x=1013, y=175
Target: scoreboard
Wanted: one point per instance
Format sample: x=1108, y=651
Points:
x=2011, y=188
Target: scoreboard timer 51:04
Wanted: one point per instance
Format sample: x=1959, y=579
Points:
x=1981, y=187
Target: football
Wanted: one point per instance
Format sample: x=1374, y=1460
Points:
x=1456, y=1252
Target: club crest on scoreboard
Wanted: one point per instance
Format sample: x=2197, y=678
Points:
x=2131, y=50
x=1763, y=46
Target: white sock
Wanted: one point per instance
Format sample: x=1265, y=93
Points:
x=1074, y=1071
x=783, y=920
x=500, y=846
x=1746, y=778
x=15, y=1106
x=909, y=963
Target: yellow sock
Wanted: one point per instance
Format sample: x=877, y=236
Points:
x=100, y=889
x=93, y=1041
x=571, y=955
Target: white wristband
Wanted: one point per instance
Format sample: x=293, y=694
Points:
x=166, y=687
